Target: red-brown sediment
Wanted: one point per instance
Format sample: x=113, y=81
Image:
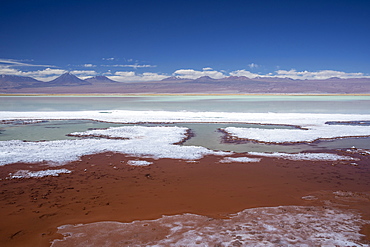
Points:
x=103, y=187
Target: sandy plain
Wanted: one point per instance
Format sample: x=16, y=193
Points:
x=102, y=187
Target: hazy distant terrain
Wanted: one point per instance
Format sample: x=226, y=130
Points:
x=68, y=83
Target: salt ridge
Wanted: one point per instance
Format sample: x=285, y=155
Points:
x=305, y=156
x=168, y=135
x=139, y=163
x=269, y=226
x=122, y=116
x=38, y=174
x=310, y=134
x=239, y=159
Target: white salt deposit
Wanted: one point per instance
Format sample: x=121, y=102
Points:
x=305, y=156
x=122, y=116
x=158, y=141
x=311, y=134
x=22, y=122
x=154, y=142
x=273, y=226
x=139, y=163
x=158, y=134
x=313, y=124
x=310, y=198
x=38, y=174
x=355, y=150
x=239, y=159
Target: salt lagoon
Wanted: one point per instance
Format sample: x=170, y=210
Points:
x=72, y=132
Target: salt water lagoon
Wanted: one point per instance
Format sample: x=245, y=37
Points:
x=186, y=170
x=88, y=112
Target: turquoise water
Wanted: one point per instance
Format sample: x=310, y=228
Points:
x=206, y=135
x=228, y=103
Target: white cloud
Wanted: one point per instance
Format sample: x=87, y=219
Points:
x=245, y=73
x=109, y=58
x=83, y=74
x=301, y=75
x=131, y=76
x=253, y=65
x=89, y=65
x=42, y=75
x=135, y=66
x=148, y=76
x=8, y=67
x=207, y=68
x=109, y=72
x=317, y=75
x=47, y=74
x=13, y=62
x=194, y=74
x=6, y=70
x=125, y=73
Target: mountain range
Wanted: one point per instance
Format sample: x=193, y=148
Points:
x=69, y=83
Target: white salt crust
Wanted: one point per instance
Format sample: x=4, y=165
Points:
x=158, y=143
x=361, y=151
x=305, y=156
x=139, y=163
x=38, y=174
x=311, y=134
x=153, y=142
x=122, y=116
x=239, y=159
x=270, y=226
x=313, y=124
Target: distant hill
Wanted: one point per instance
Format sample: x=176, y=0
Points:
x=100, y=79
x=68, y=79
x=13, y=81
x=69, y=83
x=236, y=78
x=205, y=79
x=175, y=78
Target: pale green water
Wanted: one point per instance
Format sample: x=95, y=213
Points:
x=205, y=134
x=232, y=103
x=48, y=131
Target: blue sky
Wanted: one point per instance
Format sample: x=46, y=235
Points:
x=153, y=39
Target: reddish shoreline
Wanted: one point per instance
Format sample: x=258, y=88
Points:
x=103, y=188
